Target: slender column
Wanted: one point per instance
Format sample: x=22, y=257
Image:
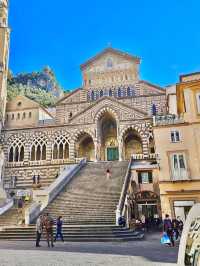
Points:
x=120, y=150
x=27, y=153
x=145, y=146
x=72, y=150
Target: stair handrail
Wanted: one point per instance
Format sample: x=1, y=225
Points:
x=41, y=198
x=8, y=204
x=121, y=204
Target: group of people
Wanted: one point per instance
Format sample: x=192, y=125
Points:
x=173, y=228
x=44, y=225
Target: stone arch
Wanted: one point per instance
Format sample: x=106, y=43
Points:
x=79, y=132
x=103, y=110
x=107, y=124
x=84, y=145
x=141, y=134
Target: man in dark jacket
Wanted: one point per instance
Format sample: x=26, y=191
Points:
x=59, y=224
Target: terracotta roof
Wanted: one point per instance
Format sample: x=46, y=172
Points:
x=115, y=51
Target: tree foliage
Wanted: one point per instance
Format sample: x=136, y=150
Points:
x=44, y=98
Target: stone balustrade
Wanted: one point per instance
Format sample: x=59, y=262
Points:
x=151, y=156
x=161, y=120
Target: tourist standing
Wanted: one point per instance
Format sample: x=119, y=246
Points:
x=167, y=227
x=180, y=225
x=48, y=224
x=175, y=225
x=59, y=224
x=108, y=174
x=143, y=221
x=34, y=179
x=39, y=227
x=38, y=179
x=13, y=181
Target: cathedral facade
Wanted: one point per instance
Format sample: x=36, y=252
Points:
x=109, y=118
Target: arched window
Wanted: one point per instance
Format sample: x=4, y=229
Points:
x=44, y=152
x=11, y=157
x=61, y=153
x=16, y=151
x=38, y=148
x=21, y=155
x=110, y=93
x=33, y=153
x=38, y=153
x=18, y=116
x=154, y=111
x=16, y=154
x=24, y=115
x=109, y=63
x=101, y=93
x=119, y=92
x=55, y=151
x=61, y=147
x=92, y=95
x=128, y=92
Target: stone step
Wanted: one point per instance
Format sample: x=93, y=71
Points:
x=75, y=233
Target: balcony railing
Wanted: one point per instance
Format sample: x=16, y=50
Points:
x=161, y=120
x=145, y=157
x=180, y=175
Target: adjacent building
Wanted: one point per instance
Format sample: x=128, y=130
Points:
x=177, y=141
x=4, y=51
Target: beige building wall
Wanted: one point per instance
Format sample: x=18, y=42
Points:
x=23, y=112
x=183, y=188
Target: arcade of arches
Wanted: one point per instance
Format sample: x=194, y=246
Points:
x=105, y=145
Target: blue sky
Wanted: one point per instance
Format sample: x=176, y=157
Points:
x=63, y=34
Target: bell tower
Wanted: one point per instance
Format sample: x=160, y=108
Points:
x=4, y=51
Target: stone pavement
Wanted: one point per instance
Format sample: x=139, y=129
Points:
x=148, y=252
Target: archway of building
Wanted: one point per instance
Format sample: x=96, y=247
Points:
x=85, y=147
x=108, y=136
x=132, y=143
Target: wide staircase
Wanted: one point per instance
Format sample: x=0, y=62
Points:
x=87, y=205
x=91, y=198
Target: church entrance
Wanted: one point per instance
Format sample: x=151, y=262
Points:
x=112, y=154
x=107, y=128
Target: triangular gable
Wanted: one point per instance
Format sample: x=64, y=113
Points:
x=113, y=51
x=66, y=97
x=152, y=87
x=123, y=111
x=21, y=102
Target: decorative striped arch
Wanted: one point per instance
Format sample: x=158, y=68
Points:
x=103, y=110
x=136, y=128
x=80, y=132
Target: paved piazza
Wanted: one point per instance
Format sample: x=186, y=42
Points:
x=148, y=252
